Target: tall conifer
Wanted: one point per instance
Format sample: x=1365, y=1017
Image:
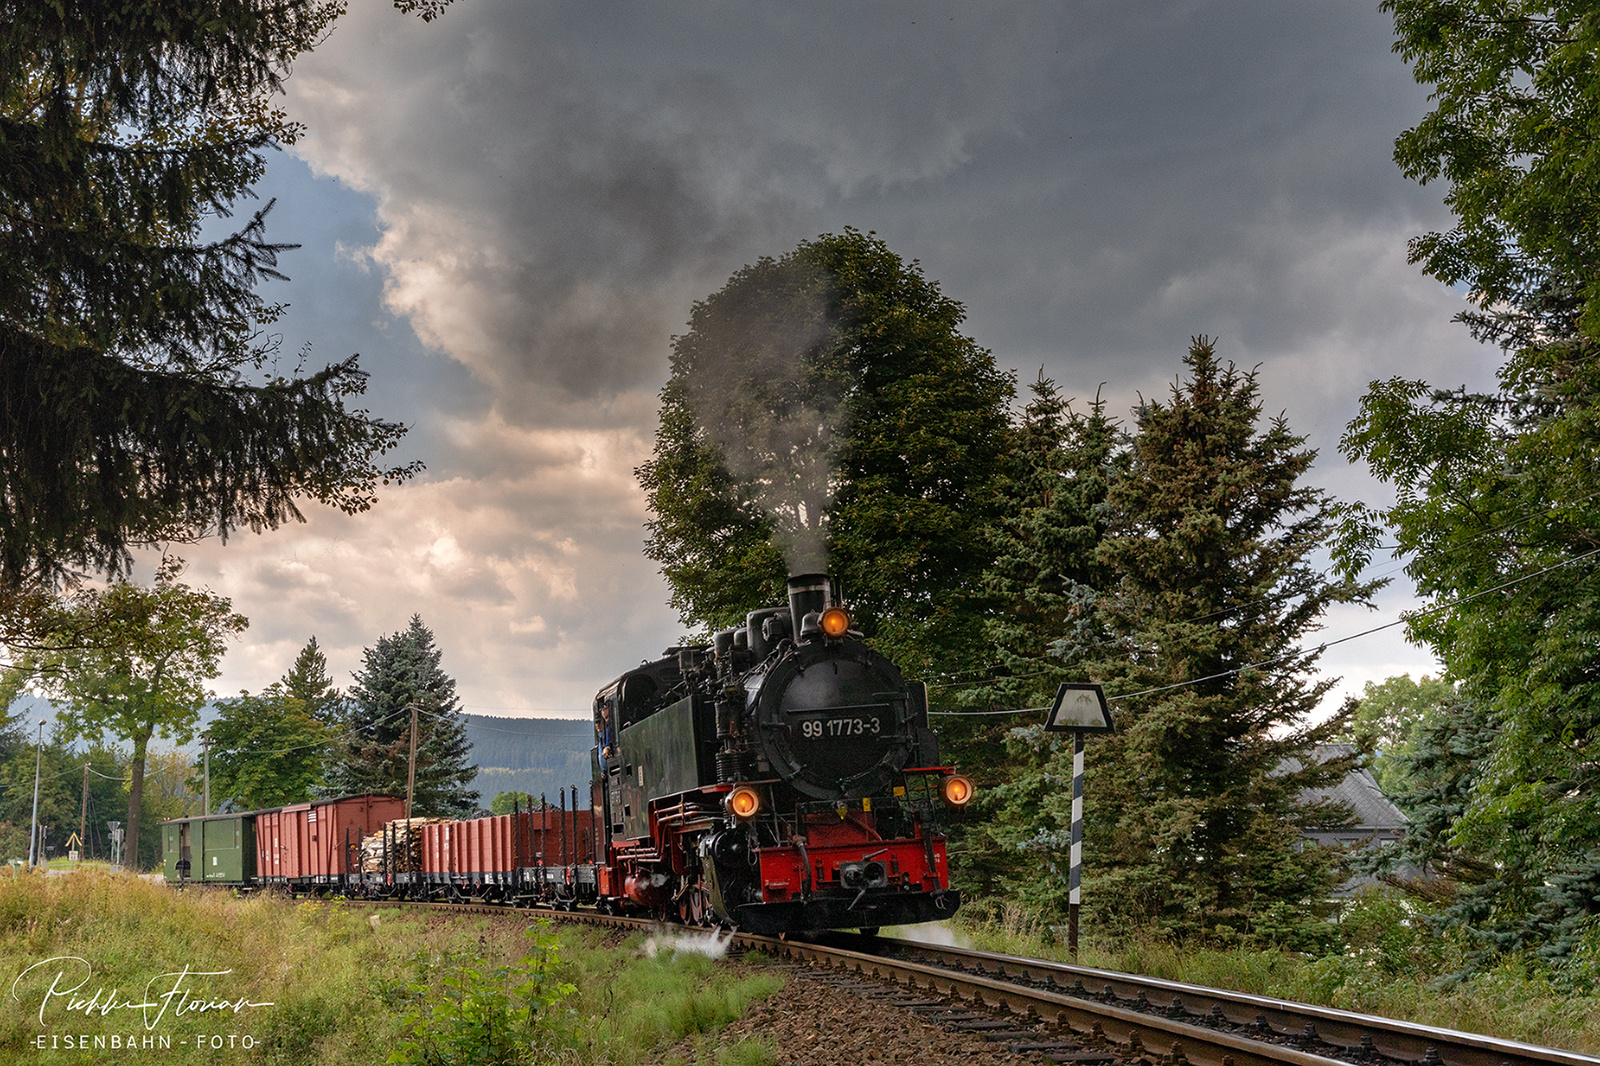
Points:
x=372, y=755
x=1042, y=588
x=136, y=404
x=1195, y=808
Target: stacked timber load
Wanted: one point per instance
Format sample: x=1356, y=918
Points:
x=405, y=836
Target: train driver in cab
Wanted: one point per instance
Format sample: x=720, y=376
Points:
x=605, y=737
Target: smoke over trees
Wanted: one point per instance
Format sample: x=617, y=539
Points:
x=825, y=412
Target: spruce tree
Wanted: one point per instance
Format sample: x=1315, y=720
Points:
x=373, y=749
x=307, y=682
x=1437, y=777
x=1041, y=621
x=1195, y=810
x=137, y=405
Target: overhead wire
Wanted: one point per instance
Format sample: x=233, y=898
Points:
x=1405, y=617
x=982, y=676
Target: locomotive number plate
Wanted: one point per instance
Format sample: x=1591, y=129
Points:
x=823, y=728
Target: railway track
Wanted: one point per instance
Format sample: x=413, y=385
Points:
x=1084, y=1015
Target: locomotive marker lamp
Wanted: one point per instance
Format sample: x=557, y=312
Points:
x=743, y=802
x=1080, y=708
x=835, y=622
x=958, y=790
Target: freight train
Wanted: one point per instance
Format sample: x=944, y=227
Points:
x=780, y=778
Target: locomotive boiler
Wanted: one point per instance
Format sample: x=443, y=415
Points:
x=781, y=778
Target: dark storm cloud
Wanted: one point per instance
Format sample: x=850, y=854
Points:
x=1096, y=181
x=556, y=183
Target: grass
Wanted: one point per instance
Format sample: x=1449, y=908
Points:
x=338, y=979
x=1393, y=965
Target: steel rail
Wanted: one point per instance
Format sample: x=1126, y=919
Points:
x=1360, y=1035
x=1096, y=1024
x=1061, y=993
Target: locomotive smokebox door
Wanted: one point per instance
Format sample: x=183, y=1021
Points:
x=833, y=721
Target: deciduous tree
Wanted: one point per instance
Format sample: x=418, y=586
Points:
x=271, y=749
x=134, y=665
x=1388, y=720
x=1496, y=494
x=825, y=404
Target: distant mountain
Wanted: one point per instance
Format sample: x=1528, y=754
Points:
x=539, y=756
x=26, y=711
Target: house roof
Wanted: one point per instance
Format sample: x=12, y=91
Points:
x=1360, y=792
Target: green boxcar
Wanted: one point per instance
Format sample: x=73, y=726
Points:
x=220, y=849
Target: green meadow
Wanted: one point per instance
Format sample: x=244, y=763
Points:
x=103, y=964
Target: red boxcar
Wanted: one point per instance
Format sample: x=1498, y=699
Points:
x=319, y=843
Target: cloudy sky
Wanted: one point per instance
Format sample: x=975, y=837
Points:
x=509, y=212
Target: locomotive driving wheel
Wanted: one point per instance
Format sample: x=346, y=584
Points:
x=694, y=905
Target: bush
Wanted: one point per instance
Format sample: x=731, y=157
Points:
x=465, y=1013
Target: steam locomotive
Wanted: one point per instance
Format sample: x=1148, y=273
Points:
x=782, y=778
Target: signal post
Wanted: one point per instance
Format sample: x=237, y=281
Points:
x=1079, y=709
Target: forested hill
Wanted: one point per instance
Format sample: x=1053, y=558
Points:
x=538, y=756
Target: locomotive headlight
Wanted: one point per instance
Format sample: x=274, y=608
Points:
x=958, y=790
x=835, y=622
x=743, y=802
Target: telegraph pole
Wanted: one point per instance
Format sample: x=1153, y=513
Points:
x=33, y=833
x=83, y=815
x=411, y=765
x=205, y=788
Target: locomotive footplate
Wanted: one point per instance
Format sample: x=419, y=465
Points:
x=837, y=912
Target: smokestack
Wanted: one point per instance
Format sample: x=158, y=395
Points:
x=808, y=594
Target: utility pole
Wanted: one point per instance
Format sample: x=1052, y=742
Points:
x=205, y=788
x=33, y=833
x=411, y=765
x=83, y=815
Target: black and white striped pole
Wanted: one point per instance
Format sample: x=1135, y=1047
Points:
x=1079, y=709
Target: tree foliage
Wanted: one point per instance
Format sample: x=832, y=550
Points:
x=1197, y=799
x=61, y=800
x=137, y=403
x=372, y=750
x=131, y=663
x=269, y=749
x=1388, y=720
x=1515, y=119
x=1041, y=598
x=1496, y=494
x=838, y=350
